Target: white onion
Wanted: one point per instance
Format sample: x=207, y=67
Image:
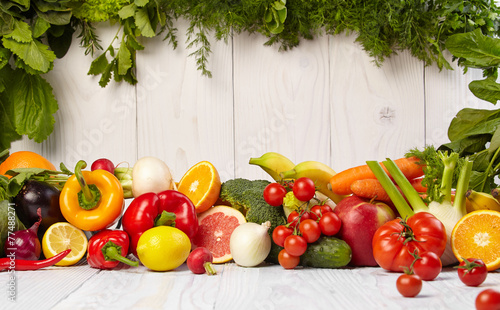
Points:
x=250, y=244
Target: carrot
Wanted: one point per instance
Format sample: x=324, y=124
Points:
x=372, y=189
x=341, y=182
x=417, y=184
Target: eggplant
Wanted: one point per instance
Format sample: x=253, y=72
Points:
x=34, y=195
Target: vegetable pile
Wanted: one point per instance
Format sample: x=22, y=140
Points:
x=35, y=33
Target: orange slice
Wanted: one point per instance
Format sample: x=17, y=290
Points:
x=201, y=183
x=477, y=235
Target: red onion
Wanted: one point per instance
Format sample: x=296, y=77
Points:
x=24, y=244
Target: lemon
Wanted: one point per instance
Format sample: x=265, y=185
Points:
x=62, y=236
x=163, y=248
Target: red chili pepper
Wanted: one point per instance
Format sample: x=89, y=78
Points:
x=170, y=207
x=108, y=248
x=23, y=264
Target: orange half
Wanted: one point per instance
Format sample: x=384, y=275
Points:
x=477, y=235
x=201, y=183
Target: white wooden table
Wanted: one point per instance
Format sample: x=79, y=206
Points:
x=234, y=287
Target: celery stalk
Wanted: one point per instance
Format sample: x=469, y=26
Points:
x=399, y=201
x=411, y=194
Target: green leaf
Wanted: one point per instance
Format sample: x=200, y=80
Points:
x=33, y=103
x=478, y=50
x=469, y=145
x=124, y=59
x=4, y=60
x=141, y=3
x=487, y=89
x=56, y=18
x=127, y=11
x=143, y=23
x=21, y=33
x=495, y=141
x=106, y=75
x=35, y=54
x=61, y=44
x=467, y=120
x=98, y=66
x=40, y=27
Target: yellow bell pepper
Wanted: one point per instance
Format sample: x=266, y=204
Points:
x=91, y=200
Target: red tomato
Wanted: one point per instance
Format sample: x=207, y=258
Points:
x=304, y=189
x=427, y=266
x=310, y=230
x=409, y=285
x=280, y=233
x=295, y=245
x=274, y=194
x=288, y=261
x=294, y=217
x=395, y=241
x=489, y=299
x=472, y=271
x=330, y=224
x=319, y=210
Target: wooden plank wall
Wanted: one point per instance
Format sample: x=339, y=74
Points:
x=324, y=101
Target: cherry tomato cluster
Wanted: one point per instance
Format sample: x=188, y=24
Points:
x=303, y=227
x=303, y=189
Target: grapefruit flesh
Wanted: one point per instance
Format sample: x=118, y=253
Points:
x=214, y=232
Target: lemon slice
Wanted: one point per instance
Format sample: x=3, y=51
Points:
x=62, y=236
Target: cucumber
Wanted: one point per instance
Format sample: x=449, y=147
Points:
x=327, y=252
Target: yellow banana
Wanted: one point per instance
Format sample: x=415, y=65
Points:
x=273, y=163
x=319, y=173
x=481, y=201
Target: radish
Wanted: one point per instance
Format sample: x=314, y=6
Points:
x=150, y=174
x=200, y=260
x=104, y=164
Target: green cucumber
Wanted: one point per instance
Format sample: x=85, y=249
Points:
x=327, y=252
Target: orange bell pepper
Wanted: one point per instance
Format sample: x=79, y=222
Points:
x=91, y=200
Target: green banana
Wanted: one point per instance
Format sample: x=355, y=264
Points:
x=273, y=163
x=319, y=173
x=481, y=201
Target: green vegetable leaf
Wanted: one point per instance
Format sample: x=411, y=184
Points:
x=98, y=66
x=487, y=89
x=143, y=22
x=470, y=121
x=477, y=49
x=40, y=27
x=21, y=32
x=33, y=105
x=127, y=11
x=106, y=75
x=141, y=3
x=124, y=59
x=34, y=53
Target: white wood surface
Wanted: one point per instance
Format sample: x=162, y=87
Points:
x=325, y=101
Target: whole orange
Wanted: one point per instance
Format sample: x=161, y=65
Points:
x=25, y=159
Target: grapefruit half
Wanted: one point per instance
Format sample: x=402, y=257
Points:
x=214, y=232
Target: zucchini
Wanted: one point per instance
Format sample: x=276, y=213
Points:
x=327, y=252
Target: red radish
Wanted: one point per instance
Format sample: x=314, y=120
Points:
x=104, y=164
x=200, y=261
x=24, y=244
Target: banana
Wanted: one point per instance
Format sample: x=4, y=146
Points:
x=319, y=173
x=273, y=163
x=481, y=201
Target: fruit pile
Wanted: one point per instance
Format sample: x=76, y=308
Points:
x=379, y=214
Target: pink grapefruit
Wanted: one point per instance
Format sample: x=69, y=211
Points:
x=214, y=231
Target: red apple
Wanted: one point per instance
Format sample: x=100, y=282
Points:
x=360, y=219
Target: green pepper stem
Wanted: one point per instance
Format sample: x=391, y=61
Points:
x=111, y=252
x=165, y=219
x=90, y=195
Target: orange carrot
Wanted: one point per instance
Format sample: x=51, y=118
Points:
x=417, y=184
x=341, y=182
x=372, y=189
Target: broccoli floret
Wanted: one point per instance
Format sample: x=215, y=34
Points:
x=247, y=197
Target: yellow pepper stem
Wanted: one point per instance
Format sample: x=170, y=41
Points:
x=89, y=196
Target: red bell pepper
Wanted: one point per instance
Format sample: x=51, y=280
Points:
x=108, y=248
x=170, y=207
